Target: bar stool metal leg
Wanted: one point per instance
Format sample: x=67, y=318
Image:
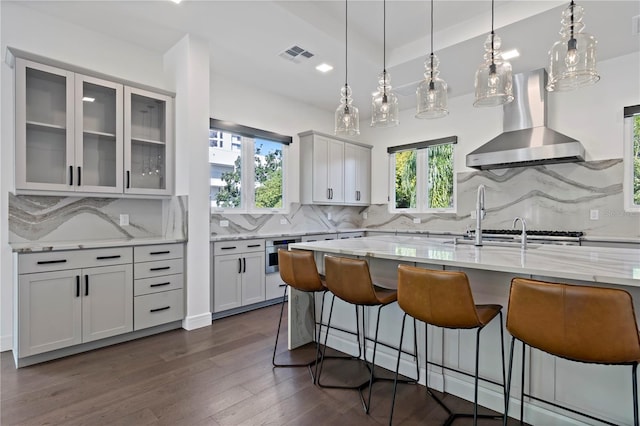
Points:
x=634, y=383
x=275, y=346
x=508, y=382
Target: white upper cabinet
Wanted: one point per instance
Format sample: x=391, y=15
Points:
x=357, y=174
x=44, y=127
x=148, y=134
x=98, y=141
x=77, y=133
x=333, y=170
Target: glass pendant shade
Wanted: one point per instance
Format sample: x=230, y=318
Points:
x=493, y=82
x=347, y=116
x=432, y=92
x=384, y=104
x=573, y=57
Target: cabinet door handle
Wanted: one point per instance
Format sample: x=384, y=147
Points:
x=282, y=285
x=253, y=245
x=47, y=262
x=244, y=261
x=159, y=309
x=328, y=194
x=117, y=256
x=239, y=265
x=79, y=176
x=77, y=285
x=128, y=179
x=86, y=285
x=159, y=284
x=71, y=175
x=332, y=193
x=228, y=248
x=159, y=252
x=162, y=268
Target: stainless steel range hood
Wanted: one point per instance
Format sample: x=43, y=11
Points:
x=526, y=139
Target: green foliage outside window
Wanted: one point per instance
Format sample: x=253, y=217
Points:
x=229, y=194
x=268, y=175
x=439, y=186
x=406, y=179
x=440, y=176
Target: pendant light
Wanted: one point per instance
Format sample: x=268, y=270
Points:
x=432, y=91
x=384, y=102
x=493, y=77
x=347, y=120
x=573, y=57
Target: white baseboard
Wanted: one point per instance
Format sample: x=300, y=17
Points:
x=6, y=343
x=197, y=321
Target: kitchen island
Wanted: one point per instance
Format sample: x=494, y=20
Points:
x=490, y=269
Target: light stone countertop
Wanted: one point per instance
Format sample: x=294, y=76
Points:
x=34, y=247
x=592, y=264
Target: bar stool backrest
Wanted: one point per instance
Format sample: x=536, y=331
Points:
x=298, y=269
x=580, y=323
x=350, y=280
x=440, y=298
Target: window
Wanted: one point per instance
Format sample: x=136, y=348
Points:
x=632, y=158
x=246, y=169
x=422, y=176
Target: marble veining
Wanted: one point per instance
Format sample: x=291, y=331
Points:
x=55, y=219
x=592, y=264
x=551, y=197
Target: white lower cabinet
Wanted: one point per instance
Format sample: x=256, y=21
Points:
x=72, y=297
x=64, y=307
x=159, y=296
x=238, y=274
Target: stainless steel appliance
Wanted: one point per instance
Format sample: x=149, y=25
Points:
x=271, y=252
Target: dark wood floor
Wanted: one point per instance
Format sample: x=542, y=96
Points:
x=217, y=375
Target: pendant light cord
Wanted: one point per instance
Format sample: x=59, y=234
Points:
x=492, y=33
x=384, y=37
x=572, y=5
x=346, y=44
x=431, y=56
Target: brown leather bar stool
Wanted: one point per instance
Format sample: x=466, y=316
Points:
x=298, y=270
x=593, y=325
x=350, y=280
x=444, y=299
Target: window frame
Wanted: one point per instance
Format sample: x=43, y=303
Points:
x=627, y=187
x=422, y=176
x=248, y=137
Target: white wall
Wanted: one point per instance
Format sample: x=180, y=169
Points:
x=593, y=115
x=249, y=106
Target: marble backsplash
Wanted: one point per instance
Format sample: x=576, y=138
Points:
x=301, y=218
x=47, y=218
x=551, y=197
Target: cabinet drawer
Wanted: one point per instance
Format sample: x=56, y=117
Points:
x=73, y=259
x=234, y=247
x=158, y=252
x=158, y=284
x=157, y=308
x=159, y=268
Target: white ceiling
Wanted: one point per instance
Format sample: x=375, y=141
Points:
x=246, y=37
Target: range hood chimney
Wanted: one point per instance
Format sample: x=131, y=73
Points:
x=526, y=141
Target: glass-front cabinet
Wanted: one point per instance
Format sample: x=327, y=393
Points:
x=44, y=127
x=98, y=149
x=77, y=133
x=148, y=142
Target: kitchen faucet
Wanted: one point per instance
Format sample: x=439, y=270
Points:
x=479, y=214
x=524, y=231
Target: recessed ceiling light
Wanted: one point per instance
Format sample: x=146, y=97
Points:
x=176, y=1
x=324, y=67
x=88, y=99
x=510, y=54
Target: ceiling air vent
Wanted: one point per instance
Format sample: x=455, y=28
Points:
x=295, y=54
